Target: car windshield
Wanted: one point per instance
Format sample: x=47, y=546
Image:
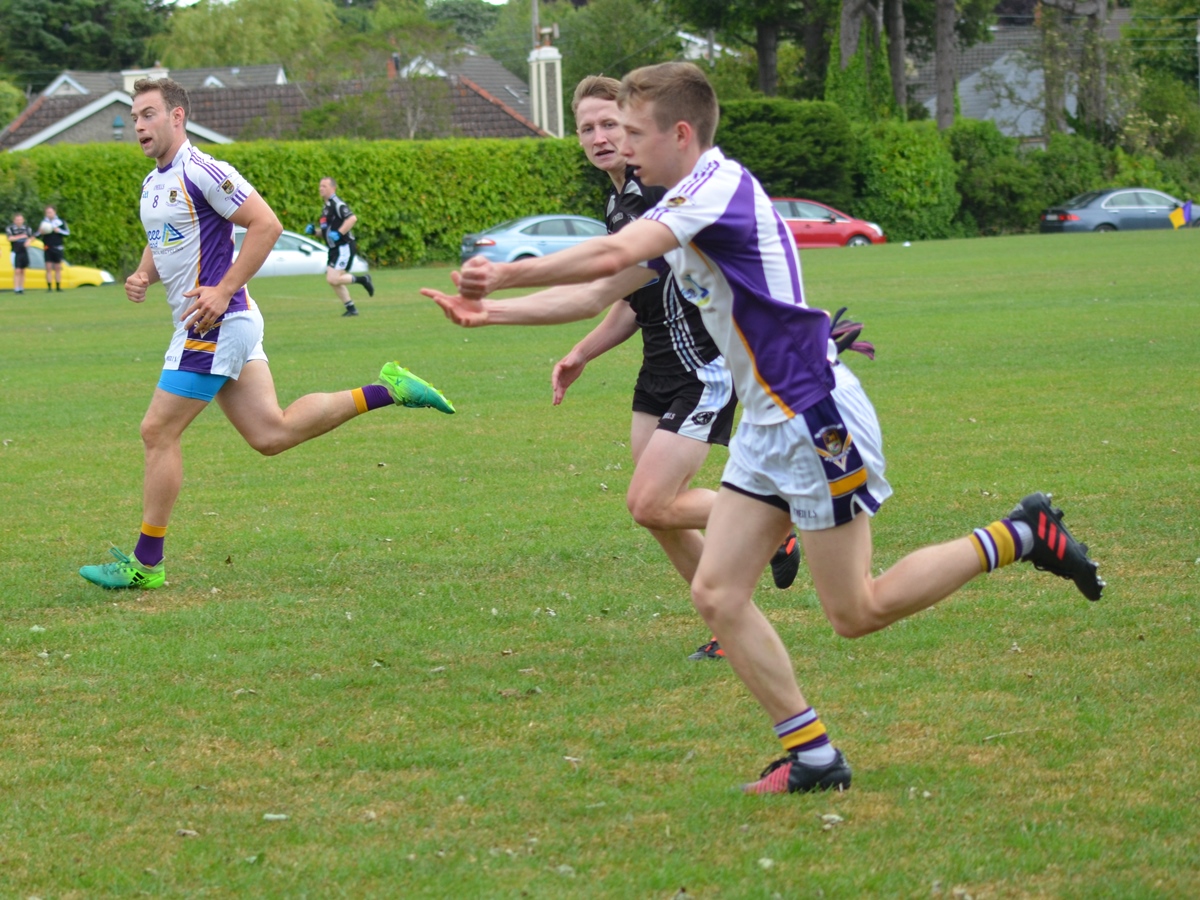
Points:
x=1082, y=199
x=503, y=226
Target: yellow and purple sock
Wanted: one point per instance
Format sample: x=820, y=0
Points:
x=1001, y=543
x=149, y=549
x=371, y=396
x=804, y=738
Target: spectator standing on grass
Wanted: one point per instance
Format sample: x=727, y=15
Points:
x=52, y=231
x=18, y=234
x=189, y=205
x=337, y=228
x=808, y=451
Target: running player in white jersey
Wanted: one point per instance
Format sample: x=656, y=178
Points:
x=189, y=206
x=808, y=450
x=683, y=401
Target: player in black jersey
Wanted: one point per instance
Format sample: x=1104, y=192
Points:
x=337, y=222
x=683, y=400
x=18, y=233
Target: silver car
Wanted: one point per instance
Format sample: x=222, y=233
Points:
x=1120, y=209
x=530, y=236
x=295, y=254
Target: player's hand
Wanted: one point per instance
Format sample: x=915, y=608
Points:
x=136, y=285
x=467, y=313
x=566, y=371
x=308, y=229
x=208, y=305
x=477, y=278
x=333, y=237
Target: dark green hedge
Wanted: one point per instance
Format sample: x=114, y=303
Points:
x=414, y=199
x=795, y=148
x=905, y=180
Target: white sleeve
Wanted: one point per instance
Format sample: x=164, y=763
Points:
x=223, y=186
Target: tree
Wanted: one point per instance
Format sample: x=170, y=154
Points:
x=768, y=20
x=41, y=38
x=614, y=37
x=245, y=32
x=859, y=77
x=470, y=19
x=945, y=64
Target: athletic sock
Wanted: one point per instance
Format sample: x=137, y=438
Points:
x=149, y=549
x=804, y=739
x=371, y=396
x=1002, y=543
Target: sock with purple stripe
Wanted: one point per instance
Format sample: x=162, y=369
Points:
x=149, y=549
x=371, y=396
x=1001, y=543
x=804, y=738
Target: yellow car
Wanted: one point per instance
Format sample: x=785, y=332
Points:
x=35, y=275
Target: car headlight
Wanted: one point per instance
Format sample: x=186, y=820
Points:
x=878, y=230
x=106, y=278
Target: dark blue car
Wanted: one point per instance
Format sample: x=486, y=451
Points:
x=1116, y=209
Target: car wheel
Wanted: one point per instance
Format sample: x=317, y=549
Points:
x=1105, y=228
x=858, y=241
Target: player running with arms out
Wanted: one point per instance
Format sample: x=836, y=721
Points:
x=189, y=206
x=683, y=401
x=337, y=222
x=808, y=450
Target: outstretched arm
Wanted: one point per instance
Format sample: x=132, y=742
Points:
x=601, y=257
x=553, y=306
x=618, y=326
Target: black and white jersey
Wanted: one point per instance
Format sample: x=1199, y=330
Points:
x=18, y=235
x=673, y=336
x=333, y=215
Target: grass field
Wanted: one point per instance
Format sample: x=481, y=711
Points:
x=440, y=647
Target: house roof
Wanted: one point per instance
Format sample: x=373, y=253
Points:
x=74, y=82
x=497, y=105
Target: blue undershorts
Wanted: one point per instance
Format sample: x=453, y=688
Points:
x=197, y=385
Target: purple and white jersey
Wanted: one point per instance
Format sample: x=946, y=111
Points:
x=185, y=211
x=737, y=262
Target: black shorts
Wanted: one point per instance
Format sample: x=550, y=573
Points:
x=53, y=254
x=21, y=259
x=698, y=404
x=341, y=256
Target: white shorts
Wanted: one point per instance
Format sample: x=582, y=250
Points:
x=821, y=466
x=221, y=351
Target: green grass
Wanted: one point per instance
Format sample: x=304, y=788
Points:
x=358, y=634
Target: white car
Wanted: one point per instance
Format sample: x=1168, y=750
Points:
x=295, y=254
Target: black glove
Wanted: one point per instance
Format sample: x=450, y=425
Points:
x=845, y=335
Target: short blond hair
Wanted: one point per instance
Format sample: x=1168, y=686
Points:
x=595, y=86
x=679, y=92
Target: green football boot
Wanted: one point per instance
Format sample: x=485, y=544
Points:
x=126, y=572
x=409, y=390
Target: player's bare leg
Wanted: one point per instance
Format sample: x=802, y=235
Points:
x=660, y=496
x=857, y=604
x=167, y=417
x=742, y=535
x=252, y=407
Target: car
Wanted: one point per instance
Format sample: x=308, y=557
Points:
x=295, y=254
x=530, y=236
x=35, y=275
x=1115, y=209
x=816, y=225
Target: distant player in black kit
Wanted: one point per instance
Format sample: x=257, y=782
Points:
x=18, y=233
x=337, y=223
x=683, y=401
x=52, y=231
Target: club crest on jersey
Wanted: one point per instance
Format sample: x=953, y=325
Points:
x=678, y=200
x=227, y=185
x=173, y=196
x=833, y=443
x=703, y=418
x=171, y=236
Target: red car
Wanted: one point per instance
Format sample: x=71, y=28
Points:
x=816, y=225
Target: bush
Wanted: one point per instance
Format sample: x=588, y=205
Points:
x=415, y=199
x=1000, y=191
x=906, y=180
x=795, y=148
x=1068, y=166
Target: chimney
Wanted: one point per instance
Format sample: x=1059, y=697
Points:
x=129, y=76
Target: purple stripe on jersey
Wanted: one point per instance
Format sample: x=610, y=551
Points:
x=216, y=246
x=209, y=165
x=788, y=343
x=196, y=361
x=696, y=181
